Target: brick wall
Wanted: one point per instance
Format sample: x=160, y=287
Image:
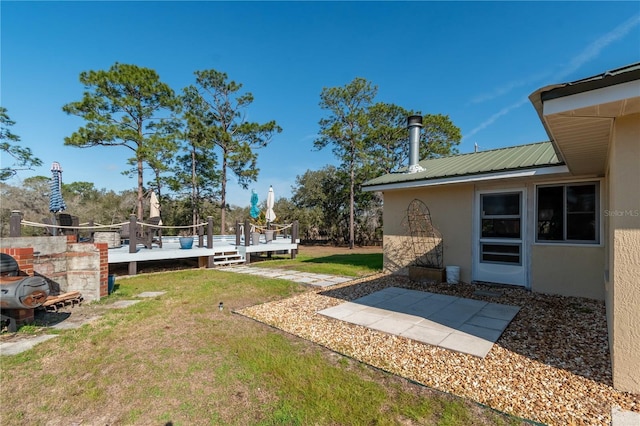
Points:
x=104, y=268
x=21, y=316
x=24, y=257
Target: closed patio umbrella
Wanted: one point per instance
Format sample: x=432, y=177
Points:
x=270, y=215
x=56, y=203
x=154, y=206
x=255, y=212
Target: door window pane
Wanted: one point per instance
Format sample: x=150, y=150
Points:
x=501, y=228
x=501, y=204
x=500, y=215
x=500, y=253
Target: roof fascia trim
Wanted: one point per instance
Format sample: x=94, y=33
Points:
x=604, y=80
x=468, y=179
x=600, y=96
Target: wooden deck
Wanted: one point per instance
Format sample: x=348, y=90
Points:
x=223, y=253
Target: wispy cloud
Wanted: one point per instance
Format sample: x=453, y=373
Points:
x=593, y=50
x=508, y=87
x=589, y=53
x=494, y=117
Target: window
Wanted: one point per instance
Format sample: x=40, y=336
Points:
x=568, y=213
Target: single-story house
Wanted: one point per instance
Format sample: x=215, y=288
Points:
x=559, y=217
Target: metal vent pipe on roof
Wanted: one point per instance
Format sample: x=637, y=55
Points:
x=414, y=123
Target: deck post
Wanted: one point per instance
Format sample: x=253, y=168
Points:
x=294, y=238
x=247, y=233
x=133, y=239
x=247, y=241
x=14, y=224
x=200, y=236
x=133, y=267
x=92, y=231
x=238, y=233
x=210, y=232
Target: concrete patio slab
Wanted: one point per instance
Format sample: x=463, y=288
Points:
x=70, y=324
x=391, y=325
x=486, y=322
x=343, y=310
x=364, y=317
x=498, y=311
x=427, y=335
x=482, y=332
x=123, y=304
x=462, y=342
x=455, y=323
x=624, y=418
x=151, y=293
x=14, y=348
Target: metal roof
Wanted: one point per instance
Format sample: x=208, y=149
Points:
x=531, y=156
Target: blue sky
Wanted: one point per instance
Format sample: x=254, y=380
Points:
x=474, y=61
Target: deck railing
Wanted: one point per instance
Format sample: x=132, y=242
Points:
x=247, y=228
x=144, y=229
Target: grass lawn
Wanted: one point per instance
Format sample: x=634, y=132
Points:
x=177, y=359
x=322, y=260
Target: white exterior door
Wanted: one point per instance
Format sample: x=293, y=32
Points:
x=500, y=237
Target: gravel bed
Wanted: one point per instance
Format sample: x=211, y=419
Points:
x=550, y=365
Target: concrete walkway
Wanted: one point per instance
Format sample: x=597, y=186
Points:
x=317, y=280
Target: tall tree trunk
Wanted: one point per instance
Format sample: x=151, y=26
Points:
x=140, y=192
x=351, y=207
x=223, y=195
x=194, y=208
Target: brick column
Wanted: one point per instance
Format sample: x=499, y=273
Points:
x=24, y=257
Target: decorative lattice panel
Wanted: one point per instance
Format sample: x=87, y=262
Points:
x=426, y=240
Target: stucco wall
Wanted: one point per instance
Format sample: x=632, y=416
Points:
x=451, y=213
x=623, y=287
x=86, y=269
x=568, y=270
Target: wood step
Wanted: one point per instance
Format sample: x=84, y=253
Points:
x=228, y=262
x=227, y=256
